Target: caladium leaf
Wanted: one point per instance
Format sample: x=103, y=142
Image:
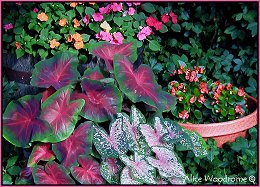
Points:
x=140, y=169
x=175, y=180
x=93, y=74
x=174, y=131
x=138, y=85
x=107, y=52
x=88, y=172
x=40, y=152
x=61, y=113
x=126, y=177
x=102, y=101
x=110, y=170
x=167, y=163
x=58, y=71
x=22, y=123
x=79, y=143
x=47, y=93
x=170, y=101
x=113, y=145
x=52, y=173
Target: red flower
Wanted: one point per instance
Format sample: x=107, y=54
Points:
x=165, y=18
x=150, y=21
x=158, y=25
x=201, y=99
x=228, y=86
x=184, y=114
x=180, y=70
x=238, y=109
x=174, y=17
x=192, y=99
x=173, y=91
x=180, y=98
x=216, y=95
x=181, y=86
x=204, y=87
x=241, y=92
x=217, y=82
x=199, y=69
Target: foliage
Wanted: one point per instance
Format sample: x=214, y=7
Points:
x=8, y=90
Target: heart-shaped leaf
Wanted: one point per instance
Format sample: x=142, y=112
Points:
x=52, y=173
x=167, y=163
x=126, y=177
x=110, y=169
x=21, y=121
x=102, y=101
x=47, y=93
x=113, y=145
x=79, y=143
x=57, y=71
x=138, y=85
x=61, y=113
x=88, y=172
x=40, y=152
x=107, y=52
x=93, y=74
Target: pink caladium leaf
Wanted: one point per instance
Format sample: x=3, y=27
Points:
x=141, y=170
x=79, y=143
x=61, y=113
x=113, y=145
x=40, y=152
x=93, y=74
x=176, y=180
x=88, y=172
x=22, y=123
x=51, y=173
x=107, y=52
x=174, y=133
x=58, y=71
x=102, y=101
x=126, y=177
x=167, y=163
x=139, y=84
x=110, y=170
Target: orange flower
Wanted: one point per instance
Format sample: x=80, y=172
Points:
x=42, y=17
x=54, y=43
x=17, y=45
x=77, y=37
x=63, y=22
x=76, y=23
x=92, y=3
x=73, y=5
x=70, y=38
x=79, y=45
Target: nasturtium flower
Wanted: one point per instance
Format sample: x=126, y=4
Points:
x=63, y=22
x=86, y=19
x=174, y=17
x=42, y=16
x=76, y=23
x=54, y=43
x=8, y=26
x=105, y=26
x=165, y=18
x=97, y=17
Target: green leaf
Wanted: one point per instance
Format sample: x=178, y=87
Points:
x=176, y=28
x=198, y=114
x=19, y=53
x=71, y=14
x=149, y=7
x=172, y=42
x=11, y=161
x=89, y=11
x=44, y=34
x=14, y=170
x=80, y=9
x=118, y=20
x=85, y=37
x=253, y=28
x=154, y=45
x=164, y=29
x=240, y=144
x=7, y=179
x=18, y=30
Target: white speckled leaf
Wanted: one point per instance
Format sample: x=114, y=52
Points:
x=126, y=178
x=174, y=131
x=175, y=180
x=167, y=163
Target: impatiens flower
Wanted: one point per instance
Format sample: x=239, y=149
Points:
x=105, y=26
x=102, y=35
x=79, y=45
x=76, y=23
x=73, y=5
x=192, y=99
x=184, y=114
x=42, y=17
x=17, y=45
x=201, y=99
x=238, y=109
x=141, y=36
x=63, y=22
x=158, y=25
x=116, y=7
x=240, y=92
x=174, y=17
x=8, y=26
x=54, y=44
x=228, y=86
x=131, y=11
x=165, y=18
x=18, y=4
x=118, y=38
x=35, y=10
x=203, y=87
x=105, y=10
x=86, y=19
x=129, y=4
x=150, y=21
x=146, y=31
x=97, y=17
x=136, y=4
x=77, y=37
x=69, y=38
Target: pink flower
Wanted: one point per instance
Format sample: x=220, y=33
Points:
x=131, y=11
x=129, y=4
x=238, y=109
x=180, y=98
x=203, y=87
x=165, y=18
x=146, y=31
x=118, y=38
x=173, y=91
x=184, y=114
x=86, y=19
x=150, y=21
x=240, y=92
x=8, y=26
x=116, y=7
x=141, y=36
x=174, y=17
x=102, y=35
x=136, y=4
x=97, y=17
x=105, y=10
x=18, y=3
x=201, y=99
x=228, y=86
x=35, y=10
x=158, y=25
x=192, y=99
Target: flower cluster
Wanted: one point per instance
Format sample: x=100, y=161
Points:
x=77, y=39
x=201, y=100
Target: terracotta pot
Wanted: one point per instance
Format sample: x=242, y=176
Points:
x=227, y=131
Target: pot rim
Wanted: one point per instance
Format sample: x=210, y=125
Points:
x=225, y=128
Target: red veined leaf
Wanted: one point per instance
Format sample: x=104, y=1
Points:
x=51, y=173
x=110, y=169
x=21, y=121
x=102, y=101
x=126, y=177
x=61, y=113
x=25, y=176
x=140, y=169
x=107, y=52
x=79, y=143
x=167, y=163
x=170, y=101
x=113, y=145
x=88, y=172
x=57, y=71
x=47, y=93
x=93, y=74
x=40, y=152
x=139, y=84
